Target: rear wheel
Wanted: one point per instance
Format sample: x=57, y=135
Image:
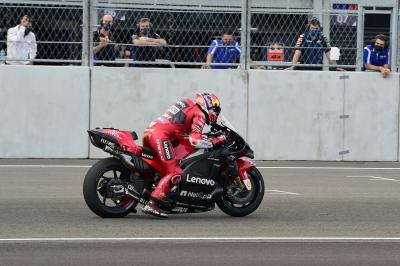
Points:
x=103, y=189
x=238, y=201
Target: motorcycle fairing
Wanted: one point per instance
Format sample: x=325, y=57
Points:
x=199, y=183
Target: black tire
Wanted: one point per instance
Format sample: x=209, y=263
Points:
x=258, y=188
x=91, y=194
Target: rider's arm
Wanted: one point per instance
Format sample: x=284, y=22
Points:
x=196, y=137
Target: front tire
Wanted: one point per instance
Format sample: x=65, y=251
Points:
x=95, y=189
x=238, y=207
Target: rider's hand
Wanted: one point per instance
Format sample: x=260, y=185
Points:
x=218, y=140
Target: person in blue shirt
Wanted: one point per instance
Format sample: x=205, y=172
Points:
x=376, y=56
x=310, y=48
x=223, y=50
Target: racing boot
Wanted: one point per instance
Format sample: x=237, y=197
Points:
x=152, y=209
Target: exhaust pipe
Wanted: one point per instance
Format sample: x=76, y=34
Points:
x=125, y=158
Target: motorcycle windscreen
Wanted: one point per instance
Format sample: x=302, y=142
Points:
x=222, y=120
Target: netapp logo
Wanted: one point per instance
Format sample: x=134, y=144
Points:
x=191, y=194
x=199, y=180
x=180, y=209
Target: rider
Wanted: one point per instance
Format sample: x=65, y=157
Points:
x=185, y=117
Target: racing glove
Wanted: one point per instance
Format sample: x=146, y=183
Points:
x=218, y=141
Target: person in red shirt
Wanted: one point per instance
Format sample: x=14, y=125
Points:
x=185, y=117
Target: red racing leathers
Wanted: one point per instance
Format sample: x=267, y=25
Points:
x=185, y=117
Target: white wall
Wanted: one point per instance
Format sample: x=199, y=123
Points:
x=295, y=118
x=371, y=132
x=285, y=115
x=44, y=112
x=130, y=98
x=298, y=118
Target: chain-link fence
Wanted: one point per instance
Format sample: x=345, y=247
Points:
x=276, y=36
x=55, y=35
x=145, y=33
x=162, y=36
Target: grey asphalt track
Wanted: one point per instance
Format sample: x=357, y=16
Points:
x=313, y=213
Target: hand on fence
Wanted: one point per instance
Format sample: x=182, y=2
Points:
x=104, y=41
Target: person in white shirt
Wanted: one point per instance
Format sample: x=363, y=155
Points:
x=21, y=43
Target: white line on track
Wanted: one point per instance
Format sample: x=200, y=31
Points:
x=259, y=167
x=375, y=178
x=205, y=239
x=275, y=192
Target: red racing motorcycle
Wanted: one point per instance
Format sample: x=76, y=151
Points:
x=224, y=175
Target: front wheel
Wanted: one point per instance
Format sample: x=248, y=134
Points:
x=240, y=202
x=103, y=189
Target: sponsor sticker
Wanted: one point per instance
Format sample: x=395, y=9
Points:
x=180, y=209
x=200, y=180
x=148, y=156
x=167, y=150
x=182, y=104
x=191, y=194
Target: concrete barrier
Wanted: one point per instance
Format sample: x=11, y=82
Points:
x=44, y=112
x=130, y=98
x=372, y=129
x=323, y=116
x=284, y=115
x=295, y=118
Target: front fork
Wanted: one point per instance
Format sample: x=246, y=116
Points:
x=244, y=165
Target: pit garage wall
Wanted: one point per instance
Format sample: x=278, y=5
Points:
x=44, y=112
x=284, y=115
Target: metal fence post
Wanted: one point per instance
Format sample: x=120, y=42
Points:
x=360, y=38
x=394, y=35
x=85, y=33
x=91, y=12
x=245, y=35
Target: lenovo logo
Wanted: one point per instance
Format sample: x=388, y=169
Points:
x=200, y=180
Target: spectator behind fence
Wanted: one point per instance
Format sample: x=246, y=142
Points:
x=275, y=53
x=147, y=45
x=376, y=56
x=224, y=49
x=21, y=43
x=126, y=55
x=310, y=47
x=104, y=49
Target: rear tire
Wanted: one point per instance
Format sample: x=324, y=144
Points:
x=91, y=194
x=228, y=206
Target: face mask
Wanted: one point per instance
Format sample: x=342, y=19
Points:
x=378, y=48
x=146, y=31
x=313, y=33
x=107, y=26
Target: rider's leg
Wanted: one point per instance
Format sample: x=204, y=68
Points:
x=160, y=143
